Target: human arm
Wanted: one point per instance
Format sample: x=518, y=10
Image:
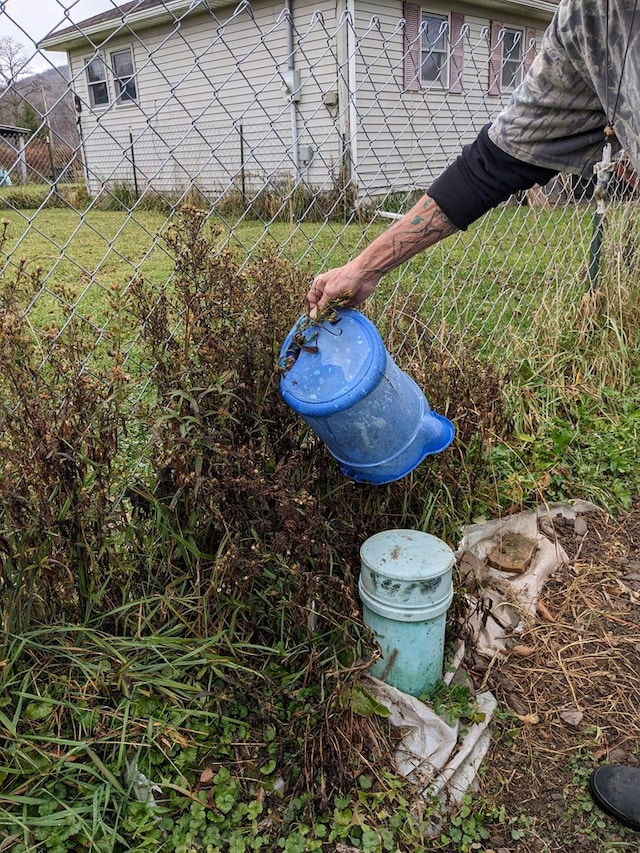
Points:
x=424, y=225
x=553, y=122
x=479, y=179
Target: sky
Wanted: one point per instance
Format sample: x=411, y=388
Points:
x=29, y=21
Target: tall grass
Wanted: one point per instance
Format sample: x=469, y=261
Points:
x=197, y=611
x=572, y=386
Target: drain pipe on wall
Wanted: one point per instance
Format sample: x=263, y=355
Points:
x=345, y=21
x=351, y=83
x=292, y=82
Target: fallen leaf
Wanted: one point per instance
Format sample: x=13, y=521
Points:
x=633, y=595
x=206, y=776
x=544, y=613
x=522, y=651
x=580, y=527
x=529, y=719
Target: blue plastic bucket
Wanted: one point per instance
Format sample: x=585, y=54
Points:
x=406, y=588
x=373, y=417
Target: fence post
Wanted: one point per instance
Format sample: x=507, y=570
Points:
x=242, y=184
x=52, y=162
x=133, y=165
x=22, y=157
x=48, y=140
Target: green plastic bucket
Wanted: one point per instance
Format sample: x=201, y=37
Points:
x=406, y=588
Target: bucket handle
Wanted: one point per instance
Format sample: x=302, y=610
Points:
x=303, y=335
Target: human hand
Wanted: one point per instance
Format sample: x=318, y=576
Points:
x=350, y=279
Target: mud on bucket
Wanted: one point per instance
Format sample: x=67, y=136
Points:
x=373, y=418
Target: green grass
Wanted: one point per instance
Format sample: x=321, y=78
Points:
x=85, y=258
x=466, y=277
x=513, y=289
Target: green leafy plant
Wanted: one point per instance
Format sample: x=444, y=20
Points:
x=467, y=828
x=454, y=702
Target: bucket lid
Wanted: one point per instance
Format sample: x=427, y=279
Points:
x=406, y=555
x=339, y=363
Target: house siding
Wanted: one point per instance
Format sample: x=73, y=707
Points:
x=320, y=126
x=210, y=110
x=212, y=113
x=406, y=138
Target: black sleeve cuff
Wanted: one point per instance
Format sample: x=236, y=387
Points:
x=480, y=178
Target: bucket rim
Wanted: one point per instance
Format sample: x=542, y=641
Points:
x=403, y=613
x=387, y=562
x=371, y=372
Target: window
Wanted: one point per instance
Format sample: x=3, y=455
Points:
x=124, y=81
x=124, y=75
x=511, y=52
x=434, y=48
x=512, y=59
x=97, y=82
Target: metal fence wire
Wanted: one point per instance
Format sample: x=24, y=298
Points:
x=309, y=124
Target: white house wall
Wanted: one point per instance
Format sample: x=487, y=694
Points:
x=321, y=122
x=211, y=110
x=199, y=89
x=406, y=138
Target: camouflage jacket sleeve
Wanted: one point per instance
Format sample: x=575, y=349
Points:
x=556, y=117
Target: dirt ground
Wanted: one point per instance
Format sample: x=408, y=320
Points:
x=575, y=702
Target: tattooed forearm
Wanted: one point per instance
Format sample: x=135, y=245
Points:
x=423, y=230
x=424, y=225
x=420, y=228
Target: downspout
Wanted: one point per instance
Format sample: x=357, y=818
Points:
x=293, y=87
x=345, y=45
x=351, y=84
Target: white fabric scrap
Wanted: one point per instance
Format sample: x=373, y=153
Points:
x=460, y=771
x=427, y=741
x=505, y=602
x=430, y=754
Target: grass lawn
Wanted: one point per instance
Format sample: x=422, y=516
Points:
x=489, y=281
x=85, y=257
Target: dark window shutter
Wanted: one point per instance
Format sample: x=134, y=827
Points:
x=456, y=48
x=529, y=48
x=495, y=57
x=412, y=17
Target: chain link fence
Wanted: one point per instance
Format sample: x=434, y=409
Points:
x=311, y=125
